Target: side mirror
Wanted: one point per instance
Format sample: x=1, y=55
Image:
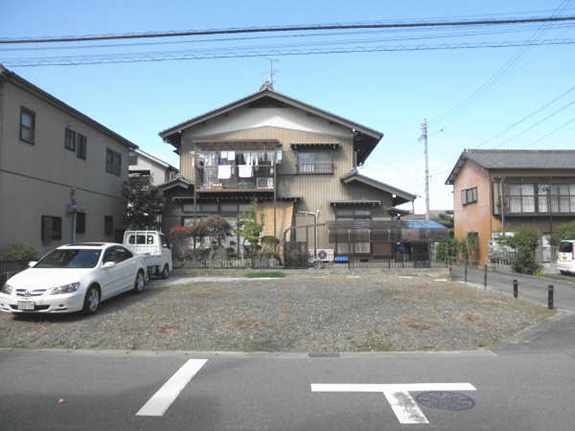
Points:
x=109, y=264
x=32, y=264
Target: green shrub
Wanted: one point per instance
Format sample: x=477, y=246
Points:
x=525, y=241
x=21, y=252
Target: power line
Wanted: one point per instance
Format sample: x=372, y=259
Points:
x=499, y=74
x=296, y=28
x=522, y=120
x=571, y=121
x=166, y=56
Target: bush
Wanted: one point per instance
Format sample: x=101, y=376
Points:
x=21, y=252
x=525, y=241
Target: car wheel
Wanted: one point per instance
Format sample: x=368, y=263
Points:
x=165, y=272
x=91, y=301
x=564, y=272
x=140, y=282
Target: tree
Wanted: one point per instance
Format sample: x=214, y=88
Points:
x=446, y=219
x=217, y=230
x=249, y=229
x=563, y=231
x=525, y=241
x=144, y=204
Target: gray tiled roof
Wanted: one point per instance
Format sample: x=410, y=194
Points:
x=515, y=159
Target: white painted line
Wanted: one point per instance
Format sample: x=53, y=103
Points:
x=405, y=408
x=402, y=403
x=167, y=394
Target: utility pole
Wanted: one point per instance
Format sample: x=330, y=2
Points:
x=424, y=137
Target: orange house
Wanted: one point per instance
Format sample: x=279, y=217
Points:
x=502, y=190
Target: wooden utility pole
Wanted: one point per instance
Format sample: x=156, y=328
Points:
x=424, y=137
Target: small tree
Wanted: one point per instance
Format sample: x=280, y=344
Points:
x=21, y=252
x=144, y=203
x=217, y=230
x=563, y=231
x=446, y=219
x=249, y=229
x=269, y=245
x=525, y=241
x=179, y=236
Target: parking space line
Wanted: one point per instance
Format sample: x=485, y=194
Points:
x=167, y=394
x=398, y=395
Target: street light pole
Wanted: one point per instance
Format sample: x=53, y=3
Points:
x=424, y=137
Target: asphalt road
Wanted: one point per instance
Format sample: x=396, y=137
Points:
x=524, y=383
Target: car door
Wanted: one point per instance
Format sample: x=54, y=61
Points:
x=111, y=277
x=127, y=266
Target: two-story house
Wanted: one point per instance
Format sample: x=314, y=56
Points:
x=142, y=164
x=500, y=190
x=61, y=172
x=292, y=158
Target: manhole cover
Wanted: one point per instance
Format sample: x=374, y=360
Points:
x=452, y=401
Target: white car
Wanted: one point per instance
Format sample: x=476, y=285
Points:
x=74, y=277
x=566, y=257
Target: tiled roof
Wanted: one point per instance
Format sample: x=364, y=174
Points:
x=515, y=159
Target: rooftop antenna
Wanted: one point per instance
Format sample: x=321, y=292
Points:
x=269, y=84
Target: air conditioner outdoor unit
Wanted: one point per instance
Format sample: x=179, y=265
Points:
x=265, y=183
x=324, y=254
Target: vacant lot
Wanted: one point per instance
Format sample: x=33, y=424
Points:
x=309, y=311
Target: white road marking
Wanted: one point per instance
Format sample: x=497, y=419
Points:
x=402, y=403
x=167, y=394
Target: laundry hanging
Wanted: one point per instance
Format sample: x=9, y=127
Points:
x=245, y=171
x=224, y=172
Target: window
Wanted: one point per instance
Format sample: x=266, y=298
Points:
x=113, y=162
x=520, y=198
x=108, y=225
x=51, y=228
x=70, y=140
x=80, y=222
x=314, y=163
x=352, y=214
x=81, y=146
x=132, y=159
x=469, y=196
x=27, y=125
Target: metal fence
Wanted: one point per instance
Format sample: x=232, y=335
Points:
x=8, y=268
x=251, y=263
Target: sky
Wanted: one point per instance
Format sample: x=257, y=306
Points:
x=388, y=91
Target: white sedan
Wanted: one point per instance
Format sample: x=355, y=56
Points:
x=74, y=277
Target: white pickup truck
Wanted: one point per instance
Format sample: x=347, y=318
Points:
x=154, y=247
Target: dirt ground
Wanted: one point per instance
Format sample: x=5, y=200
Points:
x=307, y=311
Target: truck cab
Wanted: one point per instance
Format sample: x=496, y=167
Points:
x=154, y=247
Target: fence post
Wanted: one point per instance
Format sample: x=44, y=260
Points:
x=515, y=288
x=485, y=277
x=550, y=297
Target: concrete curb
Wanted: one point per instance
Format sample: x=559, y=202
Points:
x=258, y=355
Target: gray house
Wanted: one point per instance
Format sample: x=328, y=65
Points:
x=61, y=172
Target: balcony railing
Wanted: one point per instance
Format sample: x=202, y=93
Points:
x=235, y=177
x=315, y=168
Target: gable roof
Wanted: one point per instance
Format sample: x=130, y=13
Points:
x=18, y=81
x=156, y=160
x=514, y=159
x=367, y=137
x=401, y=195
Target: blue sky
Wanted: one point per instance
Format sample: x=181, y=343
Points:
x=388, y=91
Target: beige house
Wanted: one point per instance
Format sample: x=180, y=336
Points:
x=61, y=172
x=289, y=157
x=142, y=164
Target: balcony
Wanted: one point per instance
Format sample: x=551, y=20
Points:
x=235, y=178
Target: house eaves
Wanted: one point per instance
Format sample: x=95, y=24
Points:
x=515, y=159
x=371, y=137
x=156, y=160
x=17, y=80
x=401, y=196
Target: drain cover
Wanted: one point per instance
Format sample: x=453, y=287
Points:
x=452, y=401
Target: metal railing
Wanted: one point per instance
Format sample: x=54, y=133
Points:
x=9, y=268
x=235, y=177
x=315, y=168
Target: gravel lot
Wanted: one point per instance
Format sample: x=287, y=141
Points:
x=308, y=311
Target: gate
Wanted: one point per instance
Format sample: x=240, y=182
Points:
x=296, y=254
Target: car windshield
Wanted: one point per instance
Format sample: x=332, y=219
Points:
x=70, y=258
